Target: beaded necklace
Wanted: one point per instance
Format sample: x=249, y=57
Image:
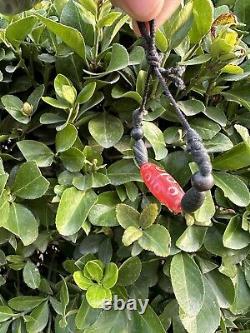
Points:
x=162, y=185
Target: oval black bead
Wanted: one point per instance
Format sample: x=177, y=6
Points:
x=137, y=133
x=192, y=200
x=202, y=183
x=141, y=153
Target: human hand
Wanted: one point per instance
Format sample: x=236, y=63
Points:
x=146, y=10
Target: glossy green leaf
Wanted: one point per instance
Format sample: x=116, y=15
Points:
x=29, y=182
x=127, y=216
x=234, y=236
x=236, y=158
x=187, y=284
x=22, y=223
x=208, y=319
x=110, y=276
x=234, y=189
x=37, y=152
x=70, y=36
x=97, y=295
x=31, y=275
x=38, y=319
x=106, y=129
x=192, y=239
x=203, y=12
x=73, y=210
x=131, y=234
x=129, y=271
x=154, y=135
x=25, y=303
x=156, y=239
x=66, y=138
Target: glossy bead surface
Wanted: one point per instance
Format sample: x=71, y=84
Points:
x=202, y=183
x=163, y=186
x=137, y=133
x=192, y=200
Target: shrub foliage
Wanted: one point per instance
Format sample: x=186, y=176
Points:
x=77, y=224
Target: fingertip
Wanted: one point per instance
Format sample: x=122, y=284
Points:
x=143, y=11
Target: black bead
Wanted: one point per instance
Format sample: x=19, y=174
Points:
x=141, y=153
x=202, y=183
x=192, y=200
x=137, y=133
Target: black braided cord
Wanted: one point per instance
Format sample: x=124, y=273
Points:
x=202, y=181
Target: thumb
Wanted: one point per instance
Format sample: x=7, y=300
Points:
x=141, y=10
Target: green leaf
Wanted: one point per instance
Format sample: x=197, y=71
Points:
x=17, y=31
x=22, y=223
x=38, y=319
x=119, y=58
x=203, y=12
x=86, y=93
x=108, y=19
x=13, y=106
x=216, y=114
x=155, y=136
x=4, y=208
x=187, y=284
x=94, y=270
x=208, y=319
x=83, y=282
x=222, y=287
x=129, y=271
x=236, y=158
x=36, y=151
x=234, y=236
x=25, y=303
x=131, y=234
x=73, y=210
x=233, y=188
x=70, y=36
x=29, y=182
x=66, y=138
x=88, y=181
x=177, y=28
x=206, y=212
x=97, y=295
x=86, y=315
x=103, y=216
x=55, y=103
x=206, y=128
x=35, y=97
x=156, y=239
x=5, y=313
x=73, y=159
x=191, y=107
x=106, y=129
x=242, y=295
x=122, y=172
x=239, y=95
x=219, y=143
x=192, y=239
x=149, y=215
x=31, y=275
x=127, y=216
x=110, y=276
x=60, y=82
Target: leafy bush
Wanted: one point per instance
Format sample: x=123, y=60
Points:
x=77, y=225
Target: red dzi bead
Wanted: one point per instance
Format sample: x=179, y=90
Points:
x=163, y=186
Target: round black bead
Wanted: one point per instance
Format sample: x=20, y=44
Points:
x=137, y=133
x=192, y=200
x=202, y=183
